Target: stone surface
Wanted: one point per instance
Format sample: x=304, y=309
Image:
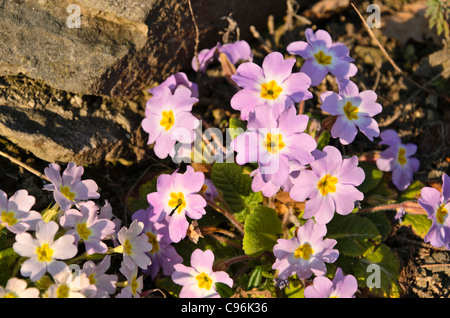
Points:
x=121, y=45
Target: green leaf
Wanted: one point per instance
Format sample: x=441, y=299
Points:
x=324, y=139
x=236, y=188
x=420, y=224
x=355, y=235
x=382, y=262
x=8, y=260
x=262, y=229
x=236, y=127
x=412, y=192
x=224, y=290
x=373, y=177
x=255, y=278
x=381, y=221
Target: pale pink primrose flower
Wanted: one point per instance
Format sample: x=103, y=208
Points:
x=177, y=198
x=105, y=283
x=342, y=286
x=168, y=119
x=322, y=56
x=68, y=188
x=18, y=288
x=199, y=280
x=132, y=287
x=44, y=253
x=306, y=253
x=178, y=79
x=354, y=110
x=329, y=186
x=437, y=206
x=398, y=159
x=16, y=214
x=68, y=285
x=85, y=225
x=273, y=85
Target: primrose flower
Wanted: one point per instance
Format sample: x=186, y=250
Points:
x=175, y=80
x=168, y=119
x=69, y=189
x=85, y=225
x=69, y=286
x=306, y=253
x=105, y=283
x=106, y=213
x=273, y=85
x=134, y=246
x=16, y=214
x=437, y=206
x=274, y=142
x=397, y=158
x=330, y=185
x=199, y=280
x=17, y=288
x=177, y=197
x=341, y=286
x=236, y=51
x=353, y=110
x=322, y=56
x=133, y=285
x=209, y=190
x=44, y=252
x=163, y=255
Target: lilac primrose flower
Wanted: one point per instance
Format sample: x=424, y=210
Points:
x=16, y=214
x=330, y=185
x=105, y=283
x=133, y=285
x=323, y=56
x=168, y=119
x=341, y=286
x=397, y=158
x=177, y=197
x=306, y=253
x=69, y=189
x=274, y=85
x=44, y=252
x=353, y=110
x=134, y=246
x=274, y=142
x=163, y=255
x=437, y=206
x=85, y=225
x=175, y=80
x=236, y=51
x=17, y=288
x=209, y=190
x=199, y=280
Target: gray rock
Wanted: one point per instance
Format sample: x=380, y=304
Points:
x=121, y=46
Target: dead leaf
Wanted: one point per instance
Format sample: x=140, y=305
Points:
x=193, y=232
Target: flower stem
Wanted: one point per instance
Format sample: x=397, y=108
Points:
x=238, y=225
x=409, y=206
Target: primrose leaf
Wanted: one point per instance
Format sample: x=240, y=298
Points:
x=262, y=229
x=373, y=177
x=419, y=223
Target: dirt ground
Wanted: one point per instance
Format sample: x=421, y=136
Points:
x=420, y=117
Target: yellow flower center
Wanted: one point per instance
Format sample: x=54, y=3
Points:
x=152, y=240
x=134, y=285
x=127, y=247
x=67, y=193
x=304, y=251
x=44, y=253
x=322, y=58
x=10, y=295
x=327, y=185
x=204, y=281
x=274, y=143
x=270, y=90
x=350, y=111
x=177, y=201
x=167, y=120
x=62, y=291
x=92, y=278
x=8, y=218
x=401, y=156
x=83, y=231
x=441, y=213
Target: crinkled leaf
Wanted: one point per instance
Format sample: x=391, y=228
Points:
x=355, y=235
x=236, y=127
x=262, y=229
x=8, y=260
x=420, y=224
x=412, y=192
x=323, y=140
x=381, y=221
